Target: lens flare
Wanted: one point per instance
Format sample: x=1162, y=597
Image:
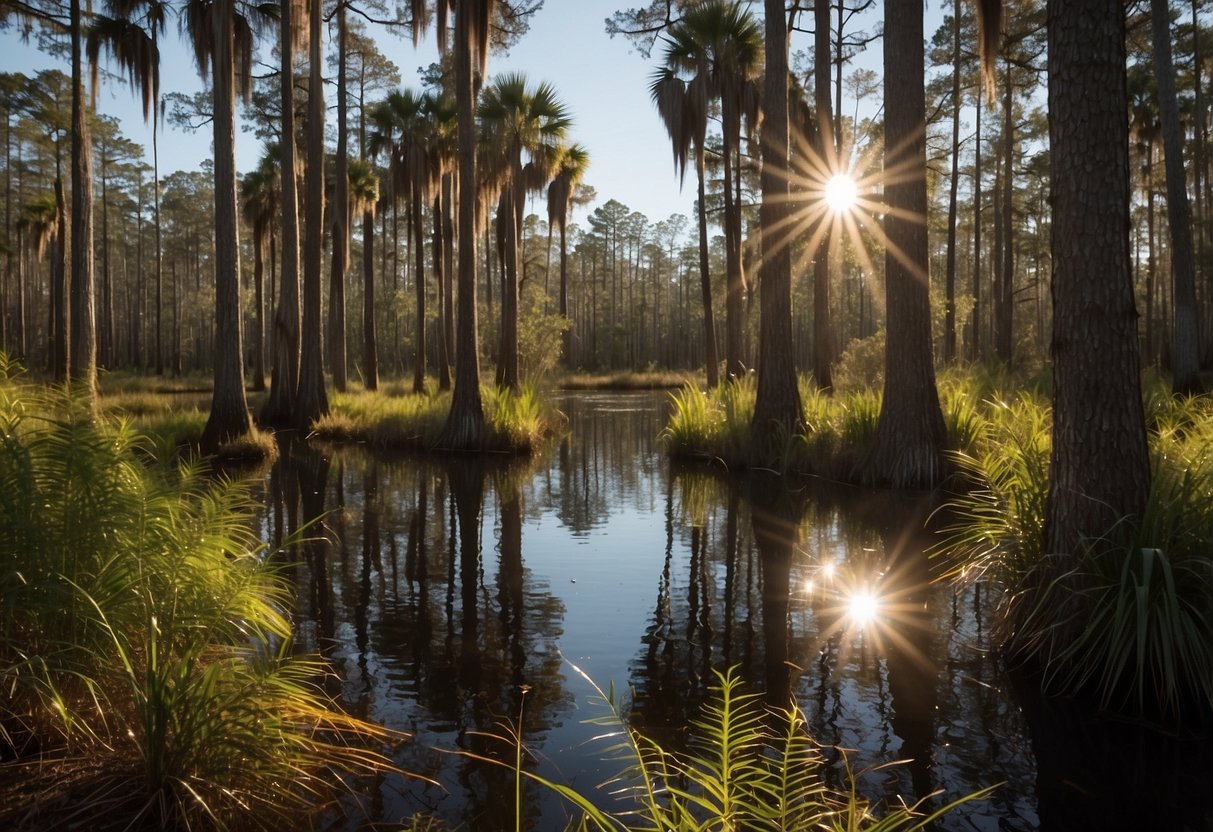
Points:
x=863, y=608
x=841, y=193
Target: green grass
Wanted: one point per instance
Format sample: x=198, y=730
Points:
x=1129, y=624
x=518, y=423
x=747, y=766
x=630, y=380
x=145, y=649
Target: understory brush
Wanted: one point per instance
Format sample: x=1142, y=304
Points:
x=1128, y=618
x=145, y=643
x=747, y=766
x=518, y=422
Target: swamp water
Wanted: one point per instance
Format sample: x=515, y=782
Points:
x=450, y=597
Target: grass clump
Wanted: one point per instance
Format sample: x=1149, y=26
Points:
x=145, y=649
x=518, y=422
x=1128, y=617
x=748, y=766
x=630, y=380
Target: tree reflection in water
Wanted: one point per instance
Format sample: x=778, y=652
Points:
x=438, y=590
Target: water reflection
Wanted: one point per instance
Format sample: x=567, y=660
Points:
x=445, y=594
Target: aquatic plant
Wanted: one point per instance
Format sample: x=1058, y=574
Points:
x=1128, y=618
x=748, y=766
x=145, y=646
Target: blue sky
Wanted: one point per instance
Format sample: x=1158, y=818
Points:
x=604, y=82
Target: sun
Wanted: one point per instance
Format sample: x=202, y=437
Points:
x=863, y=608
x=841, y=193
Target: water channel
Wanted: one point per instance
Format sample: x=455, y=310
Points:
x=450, y=597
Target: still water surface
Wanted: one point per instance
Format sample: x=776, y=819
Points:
x=451, y=596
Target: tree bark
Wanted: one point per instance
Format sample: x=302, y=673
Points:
x=341, y=215
x=418, y=230
x=1100, y=472
x=229, y=417
x=949, y=319
x=311, y=400
x=465, y=425
x=711, y=357
x=910, y=436
x=735, y=287
x=777, y=409
x=83, y=341
x=370, y=348
x=280, y=404
x=1185, y=346
x=827, y=153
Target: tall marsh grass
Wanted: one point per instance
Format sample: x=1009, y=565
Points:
x=1129, y=623
x=145, y=653
x=748, y=766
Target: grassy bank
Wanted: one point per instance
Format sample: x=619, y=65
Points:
x=391, y=419
x=145, y=647
x=630, y=380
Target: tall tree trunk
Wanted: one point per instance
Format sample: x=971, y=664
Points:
x=311, y=400
x=83, y=341
x=444, y=365
x=1185, y=349
x=229, y=417
x=975, y=351
x=711, y=358
x=370, y=348
x=910, y=436
x=465, y=426
x=1100, y=471
x=1006, y=268
x=735, y=287
x=61, y=270
x=827, y=153
x=260, y=247
x=418, y=230
x=448, y=263
x=949, y=315
x=280, y=404
x=159, y=242
x=777, y=409
x=566, y=341
x=341, y=214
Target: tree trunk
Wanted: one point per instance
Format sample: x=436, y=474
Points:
x=949, y=319
x=465, y=426
x=711, y=359
x=1185, y=349
x=910, y=437
x=60, y=272
x=83, y=341
x=444, y=365
x=229, y=417
x=567, y=336
x=370, y=358
x=827, y=153
x=1005, y=338
x=341, y=215
x=735, y=287
x=777, y=409
x=259, y=249
x=418, y=231
x=975, y=352
x=311, y=400
x=1100, y=471
x=280, y=404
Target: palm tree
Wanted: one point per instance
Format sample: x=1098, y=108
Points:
x=683, y=109
x=465, y=426
x=259, y=199
x=341, y=212
x=777, y=408
x=442, y=156
x=910, y=435
x=574, y=160
x=222, y=35
x=311, y=400
x=130, y=34
x=37, y=226
x=519, y=119
x=364, y=196
x=280, y=404
x=717, y=45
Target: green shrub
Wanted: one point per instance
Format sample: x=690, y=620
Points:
x=145, y=645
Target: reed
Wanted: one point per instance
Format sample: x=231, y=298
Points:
x=145, y=642
x=747, y=766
